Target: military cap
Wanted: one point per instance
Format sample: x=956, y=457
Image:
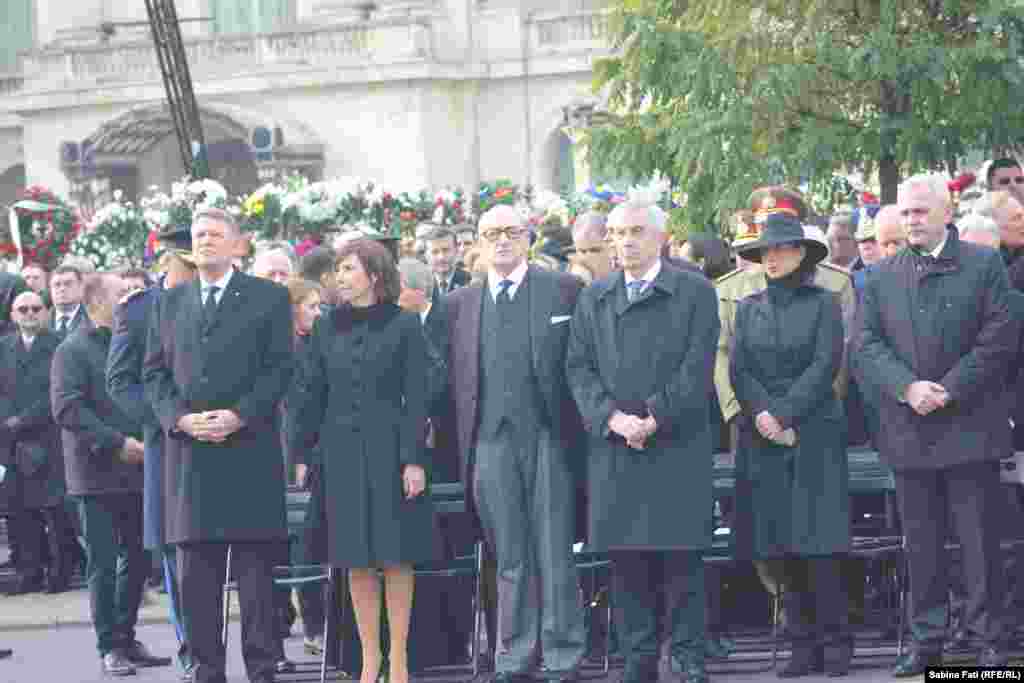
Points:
x=777, y=198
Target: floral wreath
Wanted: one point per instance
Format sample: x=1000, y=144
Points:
x=46, y=227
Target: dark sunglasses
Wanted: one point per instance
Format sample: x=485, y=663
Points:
x=1016, y=179
x=25, y=309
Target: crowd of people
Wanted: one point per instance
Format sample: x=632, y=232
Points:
x=578, y=391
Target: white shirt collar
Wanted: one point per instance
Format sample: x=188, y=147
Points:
x=648, y=277
x=27, y=340
x=221, y=283
x=425, y=312
x=938, y=250
x=516, y=276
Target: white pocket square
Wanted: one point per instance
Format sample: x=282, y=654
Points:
x=555, y=319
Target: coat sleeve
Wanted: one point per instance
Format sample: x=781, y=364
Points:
x=69, y=396
x=273, y=378
x=684, y=400
x=307, y=401
x=874, y=362
x=995, y=346
x=815, y=383
x=411, y=447
x=749, y=390
x=594, y=400
x=124, y=366
x=158, y=376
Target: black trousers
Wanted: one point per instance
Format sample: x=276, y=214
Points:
x=652, y=587
x=117, y=565
x=817, y=608
x=966, y=497
x=201, y=572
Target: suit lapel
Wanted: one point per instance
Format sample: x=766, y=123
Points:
x=231, y=303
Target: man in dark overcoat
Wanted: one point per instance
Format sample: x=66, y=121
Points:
x=124, y=381
x=31, y=441
x=218, y=362
x=66, y=286
x=640, y=364
x=937, y=340
x=103, y=465
x=516, y=425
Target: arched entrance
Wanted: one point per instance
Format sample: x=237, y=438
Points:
x=138, y=150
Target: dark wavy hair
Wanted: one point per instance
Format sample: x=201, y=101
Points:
x=378, y=263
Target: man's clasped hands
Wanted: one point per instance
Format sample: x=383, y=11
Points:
x=635, y=430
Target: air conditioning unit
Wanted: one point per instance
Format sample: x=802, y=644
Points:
x=264, y=141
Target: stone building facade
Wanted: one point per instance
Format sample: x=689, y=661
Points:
x=410, y=93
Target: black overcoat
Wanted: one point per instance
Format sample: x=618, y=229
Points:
x=946, y=320
x=364, y=392
x=788, y=351
x=34, y=446
x=231, y=491
x=653, y=356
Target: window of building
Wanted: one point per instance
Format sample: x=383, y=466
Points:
x=251, y=16
x=16, y=32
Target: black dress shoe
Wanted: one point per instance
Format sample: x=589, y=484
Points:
x=960, y=642
x=990, y=656
x=554, y=676
x=510, y=678
x=139, y=655
x=836, y=659
x=57, y=583
x=285, y=666
x=5, y=653
x=800, y=663
x=115, y=664
x=913, y=664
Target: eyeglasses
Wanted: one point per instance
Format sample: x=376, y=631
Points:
x=590, y=250
x=25, y=309
x=1019, y=180
x=511, y=233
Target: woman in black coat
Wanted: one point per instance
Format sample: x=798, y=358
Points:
x=365, y=393
x=791, y=468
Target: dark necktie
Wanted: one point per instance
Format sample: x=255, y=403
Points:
x=503, y=297
x=62, y=326
x=634, y=288
x=210, y=306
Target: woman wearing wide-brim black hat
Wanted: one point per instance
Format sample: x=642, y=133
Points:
x=791, y=470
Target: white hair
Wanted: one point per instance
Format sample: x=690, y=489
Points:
x=656, y=216
x=976, y=222
x=933, y=183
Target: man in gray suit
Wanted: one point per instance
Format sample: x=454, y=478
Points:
x=516, y=423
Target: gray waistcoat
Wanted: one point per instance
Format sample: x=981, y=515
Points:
x=508, y=388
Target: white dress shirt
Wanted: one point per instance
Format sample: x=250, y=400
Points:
x=648, y=277
x=222, y=283
x=516, y=276
x=942, y=245
x=425, y=312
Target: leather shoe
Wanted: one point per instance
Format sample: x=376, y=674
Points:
x=960, y=642
x=913, y=664
x=115, y=664
x=510, y=678
x=285, y=666
x=57, y=583
x=5, y=653
x=139, y=655
x=554, y=676
x=992, y=657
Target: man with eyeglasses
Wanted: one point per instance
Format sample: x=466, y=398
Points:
x=66, y=286
x=516, y=423
x=30, y=444
x=1006, y=174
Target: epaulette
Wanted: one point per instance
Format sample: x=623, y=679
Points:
x=839, y=269
x=131, y=295
x=722, y=278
